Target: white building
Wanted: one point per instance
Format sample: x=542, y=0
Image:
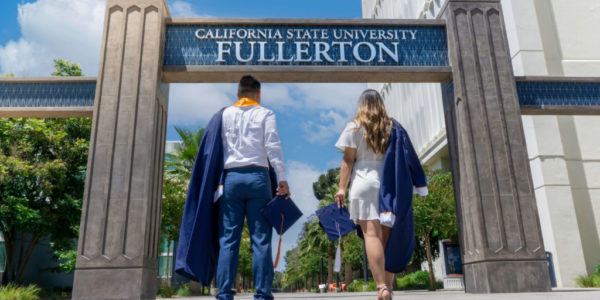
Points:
x=546, y=38
x=170, y=146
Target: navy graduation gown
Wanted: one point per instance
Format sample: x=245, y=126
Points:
x=198, y=246
x=401, y=171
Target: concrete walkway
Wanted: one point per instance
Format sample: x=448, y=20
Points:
x=562, y=294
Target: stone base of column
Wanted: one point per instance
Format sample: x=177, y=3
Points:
x=507, y=277
x=117, y=283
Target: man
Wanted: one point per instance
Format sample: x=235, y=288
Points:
x=250, y=144
x=239, y=165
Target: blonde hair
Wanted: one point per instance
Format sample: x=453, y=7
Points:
x=372, y=116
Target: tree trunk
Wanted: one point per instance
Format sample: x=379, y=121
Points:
x=430, y=263
x=8, y=267
x=348, y=276
x=167, y=267
x=413, y=267
x=329, y=267
x=22, y=267
x=17, y=266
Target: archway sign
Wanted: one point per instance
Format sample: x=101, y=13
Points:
x=144, y=49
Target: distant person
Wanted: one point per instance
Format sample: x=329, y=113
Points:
x=240, y=158
x=383, y=167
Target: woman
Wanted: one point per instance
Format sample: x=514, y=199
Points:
x=365, y=141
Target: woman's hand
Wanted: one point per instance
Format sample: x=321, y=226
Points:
x=345, y=170
x=340, y=198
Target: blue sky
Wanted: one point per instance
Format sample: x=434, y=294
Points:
x=310, y=116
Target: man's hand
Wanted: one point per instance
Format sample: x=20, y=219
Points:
x=340, y=198
x=283, y=189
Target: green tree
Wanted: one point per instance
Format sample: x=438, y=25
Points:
x=178, y=171
x=41, y=183
x=173, y=201
x=7, y=75
x=66, y=68
x=245, y=258
x=277, y=280
x=181, y=161
x=42, y=172
x=304, y=261
x=322, y=187
x=324, y=190
x=66, y=256
x=435, y=216
x=352, y=256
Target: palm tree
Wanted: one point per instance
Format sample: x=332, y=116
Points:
x=178, y=171
x=180, y=163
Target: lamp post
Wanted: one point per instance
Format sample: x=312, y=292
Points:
x=321, y=268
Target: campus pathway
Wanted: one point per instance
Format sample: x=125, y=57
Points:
x=559, y=294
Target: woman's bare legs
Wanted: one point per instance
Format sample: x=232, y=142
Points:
x=389, y=277
x=373, y=241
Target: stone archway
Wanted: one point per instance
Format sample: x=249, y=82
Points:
x=500, y=234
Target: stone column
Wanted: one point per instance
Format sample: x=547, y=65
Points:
x=500, y=235
x=119, y=234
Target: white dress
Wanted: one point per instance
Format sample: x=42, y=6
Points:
x=366, y=174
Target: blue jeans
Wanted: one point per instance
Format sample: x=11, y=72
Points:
x=245, y=192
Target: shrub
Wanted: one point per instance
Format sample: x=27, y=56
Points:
x=184, y=290
x=15, y=292
x=166, y=291
x=371, y=286
x=418, y=280
x=588, y=281
x=355, y=286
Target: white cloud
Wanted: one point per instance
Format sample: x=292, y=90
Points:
x=47, y=34
x=67, y=29
x=341, y=97
x=196, y=103
x=330, y=124
x=337, y=99
x=279, y=96
x=192, y=103
x=300, y=177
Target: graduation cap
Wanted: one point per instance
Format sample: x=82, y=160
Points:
x=281, y=213
x=336, y=222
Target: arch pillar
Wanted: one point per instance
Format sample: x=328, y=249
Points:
x=500, y=234
x=119, y=234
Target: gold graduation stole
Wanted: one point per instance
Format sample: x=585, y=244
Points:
x=243, y=102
